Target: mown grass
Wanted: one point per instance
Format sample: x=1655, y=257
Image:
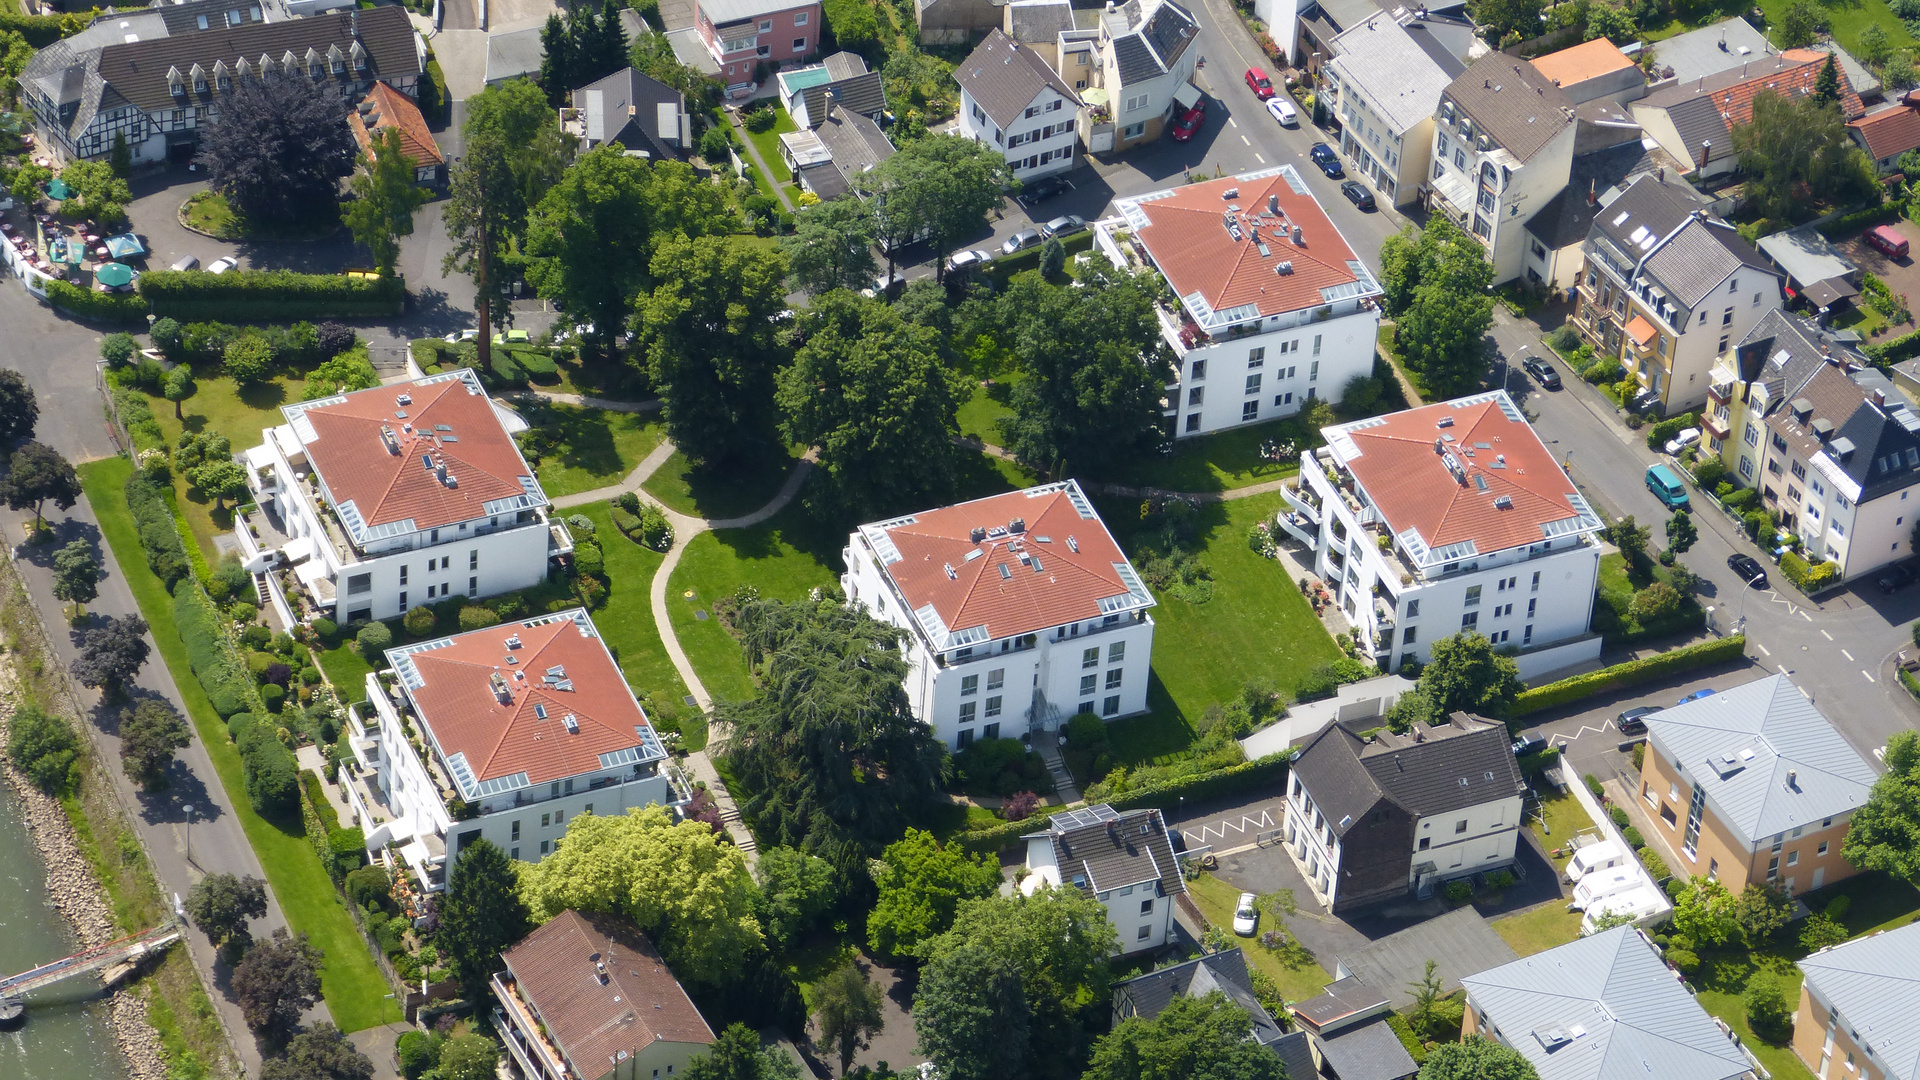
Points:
x=1216, y=899
x=720, y=493
x=626, y=619
x=1538, y=929
x=595, y=447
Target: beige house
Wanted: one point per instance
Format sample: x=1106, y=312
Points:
x=1860, y=1008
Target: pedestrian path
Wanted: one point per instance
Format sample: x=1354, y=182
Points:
x=589, y=402
x=1265, y=487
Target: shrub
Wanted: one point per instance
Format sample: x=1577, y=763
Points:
x=1459, y=890
x=1594, y=786
x=1837, y=908
x=538, y=364
x=760, y=121
x=1020, y=806
x=373, y=639
x=1086, y=732
x=262, y=295
x=1709, y=472
x=118, y=349
x=1566, y=339
x=1673, y=661
x=588, y=559
x=43, y=746
x=628, y=501
x=1656, y=866
x=327, y=631
x=420, y=621
x=1808, y=578
x=580, y=525
x=1683, y=959
x=238, y=725
x=506, y=371
x=1741, y=499
x=418, y=1052
x=243, y=612
x=332, y=339
x=1821, y=932
x=1619, y=816
x=159, y=537
x=369, y=886
x=122, y=308
x=273, y=778
x=1633, y=838
x=1655, y=602
x=248, y=359
x=475, y=617
x=273, y=694
x=1769, y=1010
x=1659, y=434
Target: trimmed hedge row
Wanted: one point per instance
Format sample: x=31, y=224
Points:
x=1808, y=577
x=159, y=538
x=341, y=851
x=1002, y=267
x=272, y=774
x=1861, y=219
x=118, y=308
x=1628, y=674
x=260, y=295
x=215, y=662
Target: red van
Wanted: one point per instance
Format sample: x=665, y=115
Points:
x=1887, y=241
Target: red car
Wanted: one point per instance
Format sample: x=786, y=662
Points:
x=1189, y=122
x=1258, y=82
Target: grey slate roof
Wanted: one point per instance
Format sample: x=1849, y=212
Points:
x=1146, y=996
x=1098, y=849
x=1622, y=1013
x=1568, y=216
x=625, y=108
x=1874, y=984
x=1686, y=253
x=1399, y=76
x=1149, y=38
x=863, y=94
x=856, y=143
x=1698, y=53
x=1296, y=1053
x=1512, y=103
x=1463, y=763
x=1039, y=22
x=844, y=65
x=1370, y=1051
x=1342, y=999
x=1004, y=78
x=514, y=55
x=1460, y=942
x=1768, y=760
x=185, y=18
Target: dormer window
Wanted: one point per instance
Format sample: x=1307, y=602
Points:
x=199, y=79
x=176, y=83
x=359, y=53
x=336, y=61
x=220, y=77
x=313, y=62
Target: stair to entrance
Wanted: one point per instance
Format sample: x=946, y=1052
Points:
x=1047, y=745
x=260, y=590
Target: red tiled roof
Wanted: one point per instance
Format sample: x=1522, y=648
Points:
x=1187, y=236
x=391, y=108
x=354, y=460
x=1058, y=566
x=1789, y=73
x=1412, y=487
x=591, y=1022
x=1889, y=133
x=452, y=688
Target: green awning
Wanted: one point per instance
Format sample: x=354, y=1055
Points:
x=57, y=189
x=124, y=246
x=114, y=275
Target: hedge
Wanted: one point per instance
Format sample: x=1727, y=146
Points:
x=159, y=538
x=259, y=295
x=1005, y=833
x=43, y=30
x=273, y=779
x=1658, y=434
x=1628, y=674
x=341, y=851
x=213, y=658
x=1808, y=578
x=118, y=308
x=1861, y=219
x=1003, y=267
x=136, y=412
x=1271, y=769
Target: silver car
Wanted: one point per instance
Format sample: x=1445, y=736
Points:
x=967, y=260
x=1063, y=226
x=1025, y=238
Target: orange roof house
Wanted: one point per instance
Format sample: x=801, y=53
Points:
x=1889, y=132
x=383, y=108
x=1593, y=69
x=1694, y=121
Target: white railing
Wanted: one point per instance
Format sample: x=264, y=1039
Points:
x=278, y=598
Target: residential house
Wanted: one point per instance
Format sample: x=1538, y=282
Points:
x=1814, y=269
x=1503, y=147
x=1890, y=131
x=587, y=997
x=1604, y=1007
x=1304, y=30
x=1123, y=859
x=750, y=37
x=1667, y=287
x=1373, y=821
x=401, y=495
x=1347, y=1030
x=1147, y=996
x=1384, y=84
x=1827, y=440
x=1694, y=121
x=155, y=77
x=1557, y=235
x=842, y=79
x=1038, y=25
x=826, y=160
x=1013, y=102
x=1596, y=70
x=1753, y=785
x=1147, y=58
x=385, y=108
x=1019, y=608
x=1710, y=50
x=645, y=116
x=503, y=734
x=1453, y=516
x=1259, y=273
x=515, y=54
x=1458, y=944
x=1860, y=1008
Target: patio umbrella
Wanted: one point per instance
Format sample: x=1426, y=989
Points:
x=114, y=275
x=57, y=189
x=125, y=246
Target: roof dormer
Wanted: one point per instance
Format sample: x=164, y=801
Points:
x=313, y=62
x=176, y=83
x=199, y=79
x=336, y=60
x=359, y=54
x=289, y=64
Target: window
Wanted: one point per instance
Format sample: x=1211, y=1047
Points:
x=1249, y=410
x=966, y=738
x=1054, y=105
x=514, y=833
x=1413, y=609
x=1253, y=383
x=1193, y=422
x=1111, y=706
x=403, y=575
x=1470, y=620
x=763, y=51
x=546, y=821
x=1196, y=396
x=546, y=846
x=1145, y=933
x=1256, y=357
x=1089, y=683
x=996, y=678
x=1799, y=471
x=969, y=685
x=1116, y=652
x=1531, y=605
x=968, y=709
x=1408, y=635
x=473, y=586
x=1283, y=399
x=1032, y=111
x=800, y=19
x=1756, y=299
x=1134, y=131
x=993, y=706
x=1723, y=343
x=1198, y=373
x=1793, y=858
x=1313, y=372
x=1316, y=344
x=1090, y=658
x=1113, y=678
x=1822, y=849
x=766, y=25
x=1473, y=596
x=1138, y=101
x=359, y=583
x=1460, y=826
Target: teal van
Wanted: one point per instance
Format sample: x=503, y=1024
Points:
x=1666, y=487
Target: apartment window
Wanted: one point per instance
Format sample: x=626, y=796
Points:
x=1138, y=101
x=1110, y=706
x=1193, y=422
x=1713, y=869
x=1407, y=636
x=1113, y=678
x=1054, y=105
x=359, y=583
x=514, y=854
x=1473, y=596
x=763, y=51
x=766, y=25
x=403, y=597
x=1470, y=620
x=1032, y=111
x=800, y=19
x=1089, y=683
x=1256, y=357
x=1756, y=299
x=1249, y=410
x=1198, y=372
x=546, y=846
x=968, y=710
x=403, y=575
x=1793, y=858
x=1316, y=344
x=1282, y=399
x=1413, y=609
x=1134, y=131
x=993, y=706
x=1526, y=638
x=1443, y=147
x=1116, y=652
x=514, y=831
x=1531, y=605
x=1253, y=383
x=1196, y=396
x=1799, y=471
x=969, y=685
x=1822, y=849
x=1090, y=658
x=1145, y=933
x=996, y=678
x=546, y=821
x=473, y=586
x=1460, y=826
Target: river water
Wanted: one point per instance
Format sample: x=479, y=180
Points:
x=66, y=1035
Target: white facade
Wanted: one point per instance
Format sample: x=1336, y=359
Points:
x=1311, y=841
x=1038, y=143
x=1464, y=841
x=1124, y=859
x=1492, y=194
x=1274, y=369
x=1142, y=916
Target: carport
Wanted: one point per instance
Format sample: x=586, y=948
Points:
x=1460, y=942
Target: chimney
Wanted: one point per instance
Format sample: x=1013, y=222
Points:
x=1793, y=779
x=1273, y=204
x=1298, y=239
x=1706, y=152
x=1879, y=396
x=1593, y=192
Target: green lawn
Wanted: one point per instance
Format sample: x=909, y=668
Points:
x=1216, y=899
x=1849, y=21
x=1779, y=1060
x=626, y=619
x=784, y=557
x=1538, y=929
x=595, y=448
x=223, y=408
x=768, y=143
x=1564, y=817
x=1224, y=460
x=718, y=494
x=980, y=414
x=346, y=671
x=355, y=991
x=209, y=212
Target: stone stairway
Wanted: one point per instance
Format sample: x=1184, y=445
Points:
x=260, y=590
x=1047, y=745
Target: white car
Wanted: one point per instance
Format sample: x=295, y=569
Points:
x=1687, y=438
x=1283, y=111
x=1245, y=915
x=967, y=260
x=221, y=266
x=459, y=336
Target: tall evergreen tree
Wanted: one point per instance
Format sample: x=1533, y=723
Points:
x=1826, y=85
x=482, y=915
x=556, y=60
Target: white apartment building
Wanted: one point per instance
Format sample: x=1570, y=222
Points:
x=1384, y=82
x=1012, y=101
x=1123, y=859
x=1370, y=821
x=1503, y=143
x=400, y=495
x=1450, y=517
x=1020, y=610
x=1273, y=307
x=506, y=734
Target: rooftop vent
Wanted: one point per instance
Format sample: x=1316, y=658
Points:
x=513, y=641
x=1299, y=239
x=1446, y=421
x=950, y=574
x=1073, y=545
x=1504, y=502
x=403, y=399
x=500, y=688
x=977, y=535
x=1283, y=267
x=1551, y=1039
x=572, y=722
x=1230, y=193
x=1273, y=203
x=391, y=440
x=1017, y=526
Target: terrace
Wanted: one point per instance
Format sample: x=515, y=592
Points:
x=525, y=1035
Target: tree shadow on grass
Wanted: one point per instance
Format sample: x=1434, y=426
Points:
x=586, y=438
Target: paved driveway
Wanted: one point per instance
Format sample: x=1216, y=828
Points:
x=1901, y=275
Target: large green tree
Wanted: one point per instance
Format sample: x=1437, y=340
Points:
x=1707, y=913
x=76, y=574
x=1095, y=370
x=796, y=892
x=832, y=247
x=939, y=188
x=681, y=883
x=1205, y=1038
x=149, y=734
x=385, y=197
x=1464, y=674
x=276, y=149
x=921, y=886
x=35, y=474
x=736, y=1054
x=43, y=746
x=278, y=980
x=1436, y=287
x=1796, y=150
x=971, y=1016
x=99, y=193
x=833, y=759
x=222, y=905
x=1885, y=832
x=1502, y=17
x=481, y=915
x=1476, y=1058
x=870, y=391
x=319, y=1053
x=710, y=349
x=846, y=1006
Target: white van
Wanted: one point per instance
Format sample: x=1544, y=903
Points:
x=1596, y=856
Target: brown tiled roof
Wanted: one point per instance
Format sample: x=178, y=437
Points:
x=448, y=419
x=1499, y=455
x=1512, y=103
x=1889, y=133
x=1055, y=570
x=593, y=1022
x=1005, y=77
x=1788, y=73
x=393, y=109
x=1187, y=235
x=559, y=709
x=1582, y=62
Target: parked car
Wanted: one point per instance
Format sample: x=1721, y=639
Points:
x=1043, y=189
x=1189, y=122
x=1540, y=369
x=1358, y=195
x=1686, y=440
x=1065, y=225
x=1748, y=568
x=1258, y=82
x=1025, y=238
x=1698, y=695
x=512, y=337
x=1245, y=915
x=1634, y=720
x=187, y=262
x=459, y=336
x=1329, y=162
x=1283, y=111
x=1666, y=487
x=1887, y=241
x=1894, y=578
x=967, y=260
x=221, y=266
x=1528, y=744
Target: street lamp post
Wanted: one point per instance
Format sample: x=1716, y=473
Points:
x=1741, y=622
x=189, y=809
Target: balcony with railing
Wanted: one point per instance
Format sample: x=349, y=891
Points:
x=526, y=1035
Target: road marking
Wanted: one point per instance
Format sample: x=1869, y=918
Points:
x=1869, y=678
x=1809, y=618
x=1565, y=739
x=1847, y=654
x=1230, y=122
x=1259, y=159
x=1265, y=821
x=1246, y=140
x=1762, y=648
x=1826, y=635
